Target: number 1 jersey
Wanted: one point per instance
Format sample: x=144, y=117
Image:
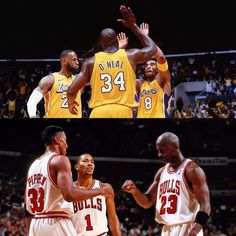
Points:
x=176, y=202
x=90, y=215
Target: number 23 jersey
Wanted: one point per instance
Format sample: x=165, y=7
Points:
x=176, y=202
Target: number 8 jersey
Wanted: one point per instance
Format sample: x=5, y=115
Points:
x=43, y=197
x=153, y=102
x=176, y=202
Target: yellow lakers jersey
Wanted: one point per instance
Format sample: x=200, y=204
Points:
x=113, y=80
x=153, y=102
x=56, y=105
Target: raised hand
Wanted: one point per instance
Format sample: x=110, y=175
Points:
x=145, y=28
x=123, y=40
x=129, y=186
x=129, y=19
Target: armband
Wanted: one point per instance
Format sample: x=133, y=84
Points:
x=162, y=67
x=201, y=218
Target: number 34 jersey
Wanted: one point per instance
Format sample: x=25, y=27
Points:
x=113, y=80
x=90, y=215
x=56, y=105
x=176, y=202
x=43, y=196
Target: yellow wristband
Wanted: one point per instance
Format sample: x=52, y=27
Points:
x=162, y=67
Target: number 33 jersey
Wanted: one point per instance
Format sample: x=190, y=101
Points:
x=176, y=202
x=90, y=215
x=43, y=196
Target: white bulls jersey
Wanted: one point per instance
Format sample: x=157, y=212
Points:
x=176, y=203
x=90, y=215
x=43, y=197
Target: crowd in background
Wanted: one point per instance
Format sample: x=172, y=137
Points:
x=18, y=79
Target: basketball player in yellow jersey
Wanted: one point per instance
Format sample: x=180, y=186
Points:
x=111, y=73
x=154, y=92
x=53, y=88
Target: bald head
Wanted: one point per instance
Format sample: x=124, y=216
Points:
x=167, y=146
x=168, y=138
x=108, y=38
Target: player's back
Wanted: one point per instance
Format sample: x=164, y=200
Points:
x=43, y=196
x=176, y=202
x=153, y=102
x=56, y=105
x=112, y=80
x=90, y=215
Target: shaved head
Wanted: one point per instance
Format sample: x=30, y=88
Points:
x=167, y=145
x=168, y=138
x=107, y=38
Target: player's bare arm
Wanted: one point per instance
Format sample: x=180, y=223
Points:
x=139, y=55
x=145, y=200
x=196, y=176
x=113, y=221
x=164, y=77
x=60, y=170
x=79, y=82
x=45, y=84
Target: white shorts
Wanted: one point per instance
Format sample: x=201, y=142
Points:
x=178, y=230
x=52, y=227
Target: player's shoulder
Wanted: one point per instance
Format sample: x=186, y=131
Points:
x=103, y=184
x=158, y=173
x=140, y=82
x=49, y=77
x=193, y=169
x=90, y=60
x=191, y=165
x=47, y=80
x=60, y=160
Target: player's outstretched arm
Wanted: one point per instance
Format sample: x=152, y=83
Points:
x=129, y=20
x=164, y=77
x=60, y=169
x=142, y=199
